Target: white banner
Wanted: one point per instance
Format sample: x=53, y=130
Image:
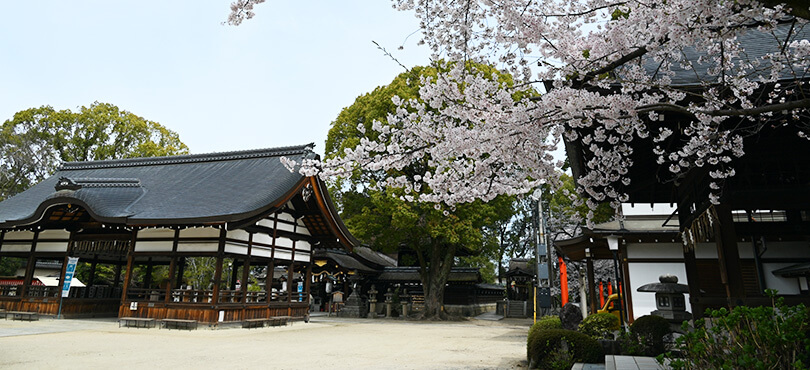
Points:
x=70, y=270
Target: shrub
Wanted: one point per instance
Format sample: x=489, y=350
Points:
x=648, y=332
x=599, y=326
x=560, y=348
x=543, y=323
x=768, y=337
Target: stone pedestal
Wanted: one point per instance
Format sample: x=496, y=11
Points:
x=353, y=306
x=372, y=302
x=389, y=300
x=404, y=300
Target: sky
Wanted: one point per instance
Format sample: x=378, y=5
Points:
x=278, y=79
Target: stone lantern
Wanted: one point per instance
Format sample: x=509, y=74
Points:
x=669, y=299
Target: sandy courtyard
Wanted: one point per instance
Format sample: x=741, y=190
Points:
x=324, y=343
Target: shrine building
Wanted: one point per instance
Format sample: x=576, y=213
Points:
x=184, y=237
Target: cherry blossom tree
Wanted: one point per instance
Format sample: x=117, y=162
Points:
x=610, y=70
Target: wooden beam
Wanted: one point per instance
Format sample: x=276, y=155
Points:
x=29, y=267
x=626, y=290
x=130, y=263
x=690, y=265
x=728, y=255
x=218, y=268
x=591, y=284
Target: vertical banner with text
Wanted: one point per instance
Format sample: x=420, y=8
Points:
x=70, y=270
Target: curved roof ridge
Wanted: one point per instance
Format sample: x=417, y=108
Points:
x=188, y=158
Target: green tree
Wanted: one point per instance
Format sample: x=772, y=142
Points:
x=385, y=218
x=36, y=141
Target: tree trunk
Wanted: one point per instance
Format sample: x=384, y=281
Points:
x=434, y=274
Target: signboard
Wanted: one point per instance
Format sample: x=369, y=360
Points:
x=70, y=270
x=300, y=290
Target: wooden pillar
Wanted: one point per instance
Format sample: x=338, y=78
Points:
x=117, y=272
x=290, y=271
x=625, y=290
x=29, y=267
x=218, y=271
x=130, y=266
x=169, y=286
x=591, y=284
x=234, y=274
x=245, y=277
x=92, y=276
x=147, y=280
x=307, y=283
x=268, y=280
x=728, y=256
x=181, y=270
x=690, y=261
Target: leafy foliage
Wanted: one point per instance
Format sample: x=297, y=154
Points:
x=387, y=218
x=599, y=326
x=545, y=347
x=767, y=337
x=36, y=141
x=646, y=337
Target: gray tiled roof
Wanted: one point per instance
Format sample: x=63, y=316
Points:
x=756, y=44
x=216, y=187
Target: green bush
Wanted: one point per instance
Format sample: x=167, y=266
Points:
x=543, y=323
x=768, y=337
x=647, y=333
x=599, y=326
x=560, y=349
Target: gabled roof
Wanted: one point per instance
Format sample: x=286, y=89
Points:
x=757, y=43
x=187, y=189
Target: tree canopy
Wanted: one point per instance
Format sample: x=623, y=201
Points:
x=610, y=69
x=36, y=141
x=387, y=218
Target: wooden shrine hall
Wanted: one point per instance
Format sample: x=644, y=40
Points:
x=757, y=231
x=184, y=237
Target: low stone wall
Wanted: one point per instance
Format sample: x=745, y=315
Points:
x=469, y=309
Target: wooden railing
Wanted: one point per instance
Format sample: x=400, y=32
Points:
x=10, y=290
x=43, y=291
x=140, y=294
x=192, y=295
x=207, y=296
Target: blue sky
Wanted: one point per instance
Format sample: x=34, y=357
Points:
x=278, y=79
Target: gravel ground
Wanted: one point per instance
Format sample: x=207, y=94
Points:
x=328, y=343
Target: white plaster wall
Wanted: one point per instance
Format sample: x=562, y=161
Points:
x=236, y=248
x=645, y=273
x=238, y=235
x=285, y=226
x=263, y=238
x=286, y=216
x=198, y=247
x=19, y=235
x=284, y=242
x=54, y=234
x=156, y=233
x=302, y=257
x=52, y=246
x=153, y=246
x=199, y=232
x=655, y=250
x=283, y=255
x=16, y=247
x=302, y=245
x=783, y=285
x=261, y=251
